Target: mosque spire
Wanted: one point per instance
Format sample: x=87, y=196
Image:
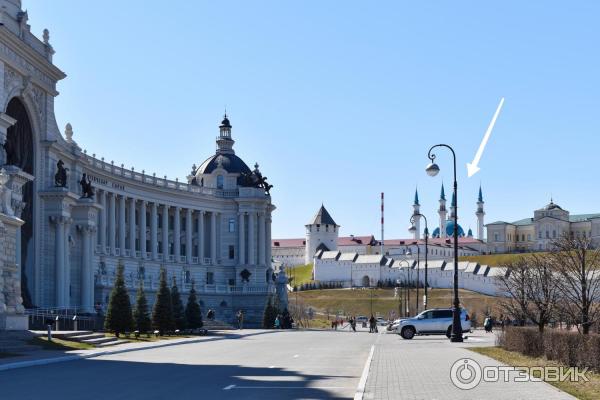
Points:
x=480, y=197
x=416, y=203
x=442, y=194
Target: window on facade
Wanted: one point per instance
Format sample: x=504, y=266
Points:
x=529, y=237
x=219, y=181
x=231, y=282
x=231, y=252
x=547, y=234
x=318, y=227
x=232, y=225
x=554, y=233
x=496, y=237
x=539, y=234
x=210, y=278
x=188, y=277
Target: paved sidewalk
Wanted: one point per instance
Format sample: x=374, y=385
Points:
x=420, y=369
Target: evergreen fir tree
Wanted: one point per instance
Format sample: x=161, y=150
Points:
x=141, y=316
x=193, y=313
x=162, y=313
x=178, y=311
x=269, y=315
x=118, y=316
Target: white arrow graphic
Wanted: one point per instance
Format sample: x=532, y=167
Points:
x=472, y=167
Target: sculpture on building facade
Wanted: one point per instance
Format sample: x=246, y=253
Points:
x=60, y=178
x=245, y=275
x=255, y=179
x=87, y=189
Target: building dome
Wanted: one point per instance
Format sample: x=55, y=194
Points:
x=552, y=206
x=449, y=230
x=225, y=123
x=229, y=162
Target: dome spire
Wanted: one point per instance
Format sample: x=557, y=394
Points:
x=480, y=197
x=225, y=141
x=416, y=203
x=442, y=194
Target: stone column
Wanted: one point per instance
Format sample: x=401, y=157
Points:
x=188, y=236
x=112, y=224
x=154, y=231
x=213, y=237
x=132, y=233
x=251, y=239
x=122, y=224
x=242, y=240
x=59, y=259
x=268, y=240
x=165, y=232
x=143, y=249
x=87, y=275
x=67, y=264
x=6, y=122
x=201, y=236
x=177, y=234
x=261, y=239
x=103, y=220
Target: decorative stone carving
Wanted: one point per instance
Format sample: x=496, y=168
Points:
x=86, y=187
x=60, y=178
x=69, y=133
x=12, y=179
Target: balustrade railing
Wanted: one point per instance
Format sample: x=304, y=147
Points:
x=155, y=181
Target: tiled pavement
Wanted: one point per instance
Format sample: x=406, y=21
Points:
x=420, y=369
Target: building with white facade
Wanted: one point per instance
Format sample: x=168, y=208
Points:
x=84, y=215
x=537, y=233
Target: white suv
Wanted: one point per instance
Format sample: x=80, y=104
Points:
x=437, y=321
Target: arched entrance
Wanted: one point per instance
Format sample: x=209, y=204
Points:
x=366, y=282
x=20, y=152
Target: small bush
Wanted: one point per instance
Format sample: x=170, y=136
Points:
x=568, y=348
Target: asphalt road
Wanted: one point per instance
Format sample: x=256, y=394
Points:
x=251, y=364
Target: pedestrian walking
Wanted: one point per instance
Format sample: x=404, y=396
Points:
x=277, y=322
x=240, y=318
x=372, y=324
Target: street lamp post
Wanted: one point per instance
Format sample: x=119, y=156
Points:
x=432, y=170
x=409, y=252
x=413, y=228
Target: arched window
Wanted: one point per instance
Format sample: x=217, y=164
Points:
x=219, y=181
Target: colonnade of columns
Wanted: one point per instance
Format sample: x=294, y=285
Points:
x=124, y=230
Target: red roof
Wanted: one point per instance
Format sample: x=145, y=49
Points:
x=355, y=240
x=288, y=242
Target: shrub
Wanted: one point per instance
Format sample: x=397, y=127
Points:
x=568, y=348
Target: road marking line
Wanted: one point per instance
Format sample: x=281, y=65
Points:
x=229, y=387
x=290, y=387
x=360, y=390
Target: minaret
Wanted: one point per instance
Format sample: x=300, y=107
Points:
x=442, y=212
x=417, y=217
x=453, y=206
x=480, y=213
x=224, y=141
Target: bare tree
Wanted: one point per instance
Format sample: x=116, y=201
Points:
x=514, y=284
x=542, y=291
x=577, y=264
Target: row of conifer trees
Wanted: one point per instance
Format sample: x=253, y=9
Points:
x=168, y=313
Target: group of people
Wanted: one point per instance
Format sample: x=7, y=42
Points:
x=490, y=321
x=340, y=322
x=284, y=321
x=373, y=325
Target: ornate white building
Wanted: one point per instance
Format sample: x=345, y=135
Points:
x=83, y=215
x=537, y=233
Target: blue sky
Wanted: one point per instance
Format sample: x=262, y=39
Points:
x=340, y=100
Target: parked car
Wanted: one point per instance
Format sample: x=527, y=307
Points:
x=381, y=321
x=362, y=318
x=437, y=321
x=393, y=325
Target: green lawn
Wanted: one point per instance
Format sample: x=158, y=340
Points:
x=582, y=390
x=358, y=301
x=59, y=344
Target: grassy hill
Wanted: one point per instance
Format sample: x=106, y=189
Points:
x=299, y=274
x=495, y=259
x=358, y=301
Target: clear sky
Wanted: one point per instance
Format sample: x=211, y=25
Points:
x=340, y=100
